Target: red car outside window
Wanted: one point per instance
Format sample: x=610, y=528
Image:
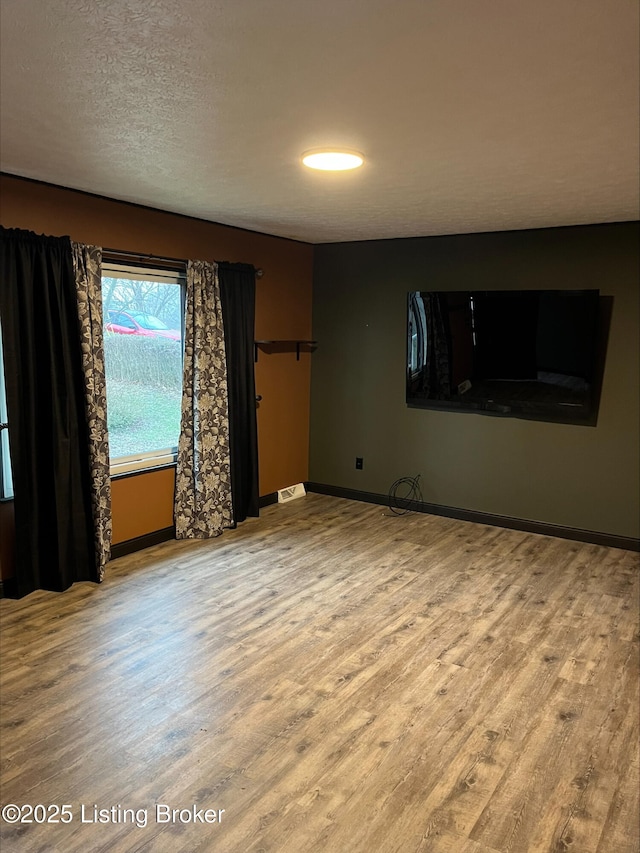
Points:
x=139, y=323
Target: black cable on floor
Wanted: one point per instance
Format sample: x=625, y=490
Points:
x=404, y=494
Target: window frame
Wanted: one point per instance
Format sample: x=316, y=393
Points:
x=6, y=474
x=140, y=271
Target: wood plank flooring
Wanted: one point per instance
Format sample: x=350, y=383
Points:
x=336, y=679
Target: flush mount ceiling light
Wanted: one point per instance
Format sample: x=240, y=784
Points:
x=332, y=160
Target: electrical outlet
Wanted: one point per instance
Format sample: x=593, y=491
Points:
x=359, y=463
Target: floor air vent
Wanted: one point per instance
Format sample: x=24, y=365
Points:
x=291, y=493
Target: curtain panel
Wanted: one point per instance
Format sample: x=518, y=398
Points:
x=87, y=263
x=203, y=504
x=48, y=432
x=238, y=298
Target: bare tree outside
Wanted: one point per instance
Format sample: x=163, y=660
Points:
x=150, y=297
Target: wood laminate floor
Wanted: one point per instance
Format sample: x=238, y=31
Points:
x=334, y=678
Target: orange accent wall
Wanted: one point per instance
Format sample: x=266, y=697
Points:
x=143, y=504
x=140, y=503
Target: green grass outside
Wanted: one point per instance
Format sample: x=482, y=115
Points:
x=144, y=391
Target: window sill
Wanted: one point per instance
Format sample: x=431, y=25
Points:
x=138, y=472
x=129, y=465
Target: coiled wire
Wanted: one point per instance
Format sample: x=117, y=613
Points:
x=404, y=494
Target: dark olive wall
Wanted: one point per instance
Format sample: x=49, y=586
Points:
x=574, y=476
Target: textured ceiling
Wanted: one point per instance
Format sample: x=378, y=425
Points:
x=474, y=115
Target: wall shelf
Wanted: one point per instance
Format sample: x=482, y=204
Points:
x=282, y=345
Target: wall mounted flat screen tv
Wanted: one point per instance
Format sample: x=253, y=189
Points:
x=520, y=353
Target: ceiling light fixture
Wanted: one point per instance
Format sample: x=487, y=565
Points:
x=332, y=160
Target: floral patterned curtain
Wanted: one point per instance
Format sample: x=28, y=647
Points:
x=203, y=505
x=87, y=264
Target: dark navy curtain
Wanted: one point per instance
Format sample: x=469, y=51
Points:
x=238, y=298
x=48, y=432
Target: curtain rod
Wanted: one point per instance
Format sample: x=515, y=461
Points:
x=161, y=259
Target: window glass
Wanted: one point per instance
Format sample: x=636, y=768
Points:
x=143, y=363
x=6, y=478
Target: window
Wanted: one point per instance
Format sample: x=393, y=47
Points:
x=143, y=363
x=6, y=478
